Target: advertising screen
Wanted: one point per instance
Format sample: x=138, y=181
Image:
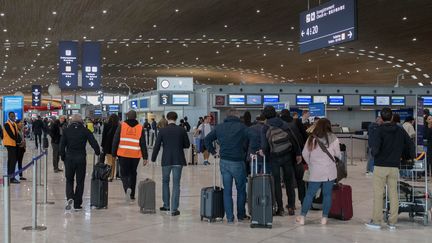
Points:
x=382, y=100
x=367, y=100
x=253, y=100
x=13, y=104
x=236, y=99
x=271, y=98
x=398, y=100
x=336, y=100
x=180, y=99
x=303, y=99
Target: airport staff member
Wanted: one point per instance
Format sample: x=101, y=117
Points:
x=73, y=153
x=11, y=141
x=129, y=145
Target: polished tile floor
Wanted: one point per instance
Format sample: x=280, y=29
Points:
x=122, y=222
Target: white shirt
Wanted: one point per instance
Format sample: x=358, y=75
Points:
x=205, y=128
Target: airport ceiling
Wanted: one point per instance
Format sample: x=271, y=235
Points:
x=215, y=41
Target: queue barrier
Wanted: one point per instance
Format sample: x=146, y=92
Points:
x=35, y=162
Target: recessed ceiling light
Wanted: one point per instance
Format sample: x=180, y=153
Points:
x=292, y=27
x=226, y=26
x=414, y=39
x=54, y=12
x=309, y=60
x=92, y=27
x=337, y=54
x=6, y=40
x=426, y=75
x=413, y=76
x=177, y=10
x=49, y=28
x=376, y=47
x=4, y=30
x=406, y=70
x=258, y=11
x=154, y=26
x=420, y=84
x=84, y=37
x=104, y=11
x=404, y=18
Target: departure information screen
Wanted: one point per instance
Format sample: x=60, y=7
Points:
x=236, y=99
x=329, y=24
x=382, y=100
x=303, y=99
x=367, y=100
x=180, y=99
x=336, y=100
x=271, y=98
x=398, y=100
x=253, y=99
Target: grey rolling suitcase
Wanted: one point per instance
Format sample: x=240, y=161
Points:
x=147, y=196
x=99, y=194
x=212, y=206
x=260, y=198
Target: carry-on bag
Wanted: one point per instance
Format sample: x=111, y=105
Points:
x=260, y=196
x=212, y=207
x=341, y=202
x=147, y=196
x=99, y=186
x=45, y=143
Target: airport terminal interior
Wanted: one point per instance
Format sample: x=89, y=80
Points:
x=77, y=73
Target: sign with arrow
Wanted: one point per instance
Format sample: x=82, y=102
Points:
x=329, y=24
x=36, y=95
x=91, y=65
x=68, y=64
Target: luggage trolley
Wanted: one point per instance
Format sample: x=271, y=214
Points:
x=414, y=196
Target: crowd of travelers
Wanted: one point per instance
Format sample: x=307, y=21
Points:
x=290, y=143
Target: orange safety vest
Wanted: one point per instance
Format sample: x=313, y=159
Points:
x=7, y=140
x=129, y=146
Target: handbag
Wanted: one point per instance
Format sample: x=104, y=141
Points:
x=306, y=175
x=340, y=166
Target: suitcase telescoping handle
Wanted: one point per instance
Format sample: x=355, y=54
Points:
x=214, y=172
x=254, y=166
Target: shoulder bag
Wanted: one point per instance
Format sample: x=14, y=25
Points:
x=340, y=166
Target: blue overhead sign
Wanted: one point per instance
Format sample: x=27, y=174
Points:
x=68, y=64
x=329, y=24
x=36, y=95
x=91, y=65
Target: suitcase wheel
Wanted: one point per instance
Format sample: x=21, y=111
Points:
x=253, y=226
x=202, y=218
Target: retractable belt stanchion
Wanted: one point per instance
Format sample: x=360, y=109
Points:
x=352, y=150
x=38, y=165
x=45, y=178
x=34, y=225
x=6, y=210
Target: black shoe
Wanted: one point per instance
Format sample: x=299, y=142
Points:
x=110, y=180
x=291, y=211
x=280, y=213
x=175, y=213
x=59, y=170
x=77, y=208
x=56, y=171
x=23, y=178
x=14, y=181
x=245, y=218
x=133, y=198
x=164, y=209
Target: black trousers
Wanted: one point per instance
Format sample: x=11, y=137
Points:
x=20, y=156
x=75, y=166
x=38, y=137
x=12, y=159
x=56, y=155
x=128, y=167
x=288, y=173
x=301, y=187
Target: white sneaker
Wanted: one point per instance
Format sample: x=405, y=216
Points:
x=372, y=225
x=69, y=205
x=127, y=195
x=391, y=227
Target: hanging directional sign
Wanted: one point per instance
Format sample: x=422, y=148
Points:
x=68, y=64
x=329, y=24
x=91, y=65
x=164, y=99
x=36, y=95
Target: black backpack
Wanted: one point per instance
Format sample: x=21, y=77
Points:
x=279, y=141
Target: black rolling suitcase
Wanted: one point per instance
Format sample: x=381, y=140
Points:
x=260, y=197
x=212, y=207
x=99, y=186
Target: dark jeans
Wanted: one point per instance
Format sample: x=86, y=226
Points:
x=56, y=155
x=128, y=167
x=234, y=170
x=75, y=166
x=20, y=156
x=12, y=159
x=288, y=173
x=38, y=137
x=166, y=172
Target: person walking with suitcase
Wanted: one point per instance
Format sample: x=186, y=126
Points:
x=73, y=152
x=129, y=145
x=232, y=135
x=322, y=168
x=392, y=141
x=38, y=127
x=174, y=140
x=109, y=130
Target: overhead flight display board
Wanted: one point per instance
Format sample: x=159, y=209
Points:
x=329, y=24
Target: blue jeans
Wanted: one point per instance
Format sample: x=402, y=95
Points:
x=166, y=173
x=370, y=164
x=327, y=188
x=234, y=170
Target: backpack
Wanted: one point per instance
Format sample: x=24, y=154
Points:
x=279, y=141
